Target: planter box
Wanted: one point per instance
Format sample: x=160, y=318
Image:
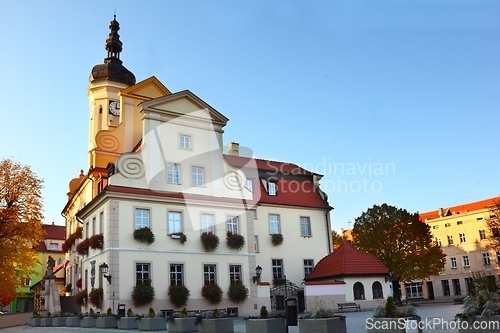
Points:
x=46, y=322
x=482, y=324
x=182, y=325
x=88, y=322
x=35, y=322
x=106, y=322
x=128, y=323
x=152, y=324
x=323, y=325
x=271, y=325
x=73, y=322
x=393, y=325
x=59, y=321
x=216, y=325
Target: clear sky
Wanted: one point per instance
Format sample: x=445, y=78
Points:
x=393, y=101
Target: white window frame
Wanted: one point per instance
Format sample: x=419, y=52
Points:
x=146, y=274
x=140, y=225
x=450, y=239
x=453, y=262
x=235, y=273
x=305, y=226
x=249, y=185
x=209, y=274
x=277, y=228
x=94, y=221
x=197, y=176
x=185, y=141
x=174, y=221
x=277, y=268
x=175, y=273
x=308, y=266
x=53, y=246
x=272, y=188
x=254, y=214
x=101, y=222
x=465, y=261
x=482, y=234
x=233, y=225
x=462, y=237
x=207, y=223
x=173, y=173
x=486, y=259
x=256, y=244
x=438, y=241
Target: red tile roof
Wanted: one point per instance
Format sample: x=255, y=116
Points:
x=461, y=209
x=52, y=231
x=276, y=167
x=347, y=261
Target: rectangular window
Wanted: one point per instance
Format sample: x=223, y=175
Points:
x=479, y=219
x=185, y=141
x=277, y=268
x=173, y=173
x=453, y=262
x=207, y=223
x=498, y=257
x=210, y=274
x=87, y=229
x=197, y=176
x=26, y=282
x=459, y=222
x=482, y=234
x=465, y=261
x=101, y=222
x=254, y=213
x=234, y=273
x=272, y=188
x=462, y=238
x=446, y=287
x=249, y=185
x=495, y=232
x=93, y=226
x=456, y=287
x=438, y=241
x=274, y=224
x=308, y=266
x=53, y=246
x=450, y=239
x=174, y=222
x=305, y=226
x=177, y=274
x=233, y=225
x=435, y=227
x=486, y=259
x=446, y=225
x=142, y=273
x=256, y=243
x=141, y=218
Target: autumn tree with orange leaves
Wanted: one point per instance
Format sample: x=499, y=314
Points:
x=21, y=226
x=401, y=241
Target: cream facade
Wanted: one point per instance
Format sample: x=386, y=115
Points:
x=156, y=160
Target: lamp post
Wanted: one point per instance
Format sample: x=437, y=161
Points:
x=104, y=271
x=258, y=272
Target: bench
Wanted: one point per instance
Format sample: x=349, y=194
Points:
x=350, y=305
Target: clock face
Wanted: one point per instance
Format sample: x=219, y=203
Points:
x=114, y=108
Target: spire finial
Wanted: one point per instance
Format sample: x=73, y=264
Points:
x=113, y=43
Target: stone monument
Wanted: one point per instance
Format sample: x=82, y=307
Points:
x=52, y=301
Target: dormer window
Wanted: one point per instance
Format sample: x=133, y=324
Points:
x=272, y=188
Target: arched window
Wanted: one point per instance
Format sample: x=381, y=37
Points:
x=359, y=291
x=377, y=290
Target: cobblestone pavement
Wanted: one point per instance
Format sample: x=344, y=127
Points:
x=356, y=322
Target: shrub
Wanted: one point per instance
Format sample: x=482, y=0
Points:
x=210, y=241
x=263, y=312
x=143, y=294
x=130, y=313
x=151, y=313
x=144, y=235
x=237, y=292
x=109, y=312
x=178, y=294
x=277, y=239
x=390, y=307
x=83, y=247
x=235, y=241
x=213, y=293
x=81, y=297
x=96, y=242
x=95, y=297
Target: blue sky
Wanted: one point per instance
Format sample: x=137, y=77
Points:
x=393, y=101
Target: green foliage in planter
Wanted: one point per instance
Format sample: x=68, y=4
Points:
x=277, y=239
x=68, y=288
x=83, y=247
x=92, y=313
x=143, y=294
x=390, y=310
x=144, y=235
x=96, y=242
x=178, y=294
x=182, y=237
x=210, y=241
x=151, y=313
x=109, y=312
x=237, y=292
x=81, y=297
x=78, y=233
x=130, y=313
x=263, y=312
x=95, y=297
x=235, y=241
x=213, y=293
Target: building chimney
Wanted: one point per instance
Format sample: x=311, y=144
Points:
x=233, y=148
x=440, y=212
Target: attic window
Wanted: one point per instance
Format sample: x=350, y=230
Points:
x=479, y=219
x=272, y=188
x=459, y=222
x=447, y=225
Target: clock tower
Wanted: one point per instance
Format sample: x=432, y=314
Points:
x=105, y=83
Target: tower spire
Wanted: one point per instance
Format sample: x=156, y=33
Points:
x=113, y=44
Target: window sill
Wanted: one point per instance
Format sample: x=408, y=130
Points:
x=305, y=236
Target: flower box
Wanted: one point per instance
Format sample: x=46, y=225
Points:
x=270, y=325
x=323, y=325
x=88, y=322
x=59, y=321
x=179, y=325
x=128, y=323
x=46, y=322
x=73, y=322
x=393, y=325
x=107, y=322
x=35, y=322
x=216, y=325
x=152, y=324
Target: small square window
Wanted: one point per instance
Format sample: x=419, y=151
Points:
x=185, y=141
x=446, y=225
x=459, y=222
x=272, y=188
x=53, y=246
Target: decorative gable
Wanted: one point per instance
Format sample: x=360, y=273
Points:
x=150, y=88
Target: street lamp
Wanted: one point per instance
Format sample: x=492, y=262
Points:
x=258, y=272
x=104, y=270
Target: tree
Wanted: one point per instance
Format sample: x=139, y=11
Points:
x=20, y=224
x=401, y=241
x=337, y=239
x=493, y=223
